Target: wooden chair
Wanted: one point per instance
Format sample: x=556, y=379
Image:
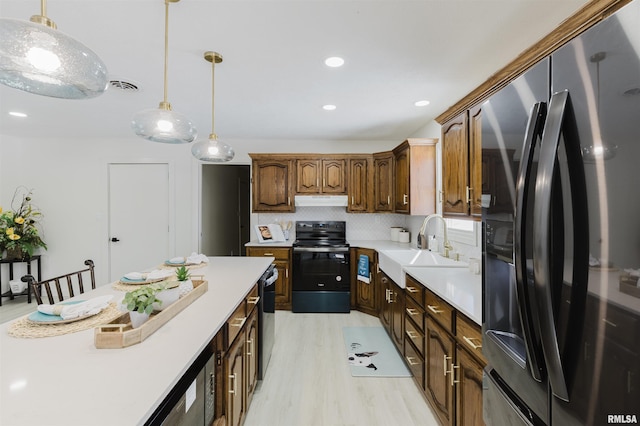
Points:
x=71, y=279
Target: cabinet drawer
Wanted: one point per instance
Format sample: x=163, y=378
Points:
x=280, y=253
x=469, y=335
x=415, y=290
x=439, y=310
x=415, y=361
x=236, y=322
x=415, y=312
x=415, y=335
x=252, y=300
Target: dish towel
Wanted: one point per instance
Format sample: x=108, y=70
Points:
x=88, y=307
x=153, y=275
x=363, y=269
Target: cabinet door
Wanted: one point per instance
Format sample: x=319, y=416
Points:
x=235, y=378
x=402, y=162
x=439, y=366
x=397, y=323
x=283, y=285
x=383, y=182
x=385, y=304
x=308, y=176
x=251, y=352
x=468, y=391
x=334, y=177
x=358, y=185
x=365, y=299
x=455, y=166
x=272, y=186
x=475, y=162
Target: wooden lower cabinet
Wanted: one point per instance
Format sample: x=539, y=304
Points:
x=468, y=389
x=364, y=295
x=235, y=375
x=392, y=310
x=384, y=286
x=439, y=382
x=251, y=354
x=283, y=264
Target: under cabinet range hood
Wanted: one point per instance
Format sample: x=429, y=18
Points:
x=321, y=200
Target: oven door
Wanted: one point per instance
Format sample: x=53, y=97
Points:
x=321, y=269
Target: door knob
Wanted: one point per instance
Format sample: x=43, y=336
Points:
x=114, y=240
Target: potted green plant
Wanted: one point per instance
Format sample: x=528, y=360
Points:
x=139, y=303
x=185, y=284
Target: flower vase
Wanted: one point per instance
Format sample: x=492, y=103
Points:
x=137, y=319
x=185, y=287
x=16, y=253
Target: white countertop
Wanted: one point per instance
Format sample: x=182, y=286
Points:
x=456, y=285
x=288, y=244
x=65, y=380
x=459, y=287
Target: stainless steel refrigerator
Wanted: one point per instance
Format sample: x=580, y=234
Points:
x=561, y=221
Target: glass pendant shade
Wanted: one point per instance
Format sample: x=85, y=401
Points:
x=42, y=60
x=212, y=150
x=164, y=126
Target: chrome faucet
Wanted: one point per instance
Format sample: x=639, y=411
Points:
x=422, y=239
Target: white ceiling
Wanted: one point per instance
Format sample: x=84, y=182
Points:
x=272, y=82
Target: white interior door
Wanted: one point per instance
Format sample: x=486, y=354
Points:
x=138, y=217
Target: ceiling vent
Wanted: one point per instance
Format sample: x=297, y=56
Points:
x=123, y=85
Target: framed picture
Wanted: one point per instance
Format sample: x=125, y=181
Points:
x=270, y=233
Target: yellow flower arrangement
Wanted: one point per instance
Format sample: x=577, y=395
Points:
x=18, y=227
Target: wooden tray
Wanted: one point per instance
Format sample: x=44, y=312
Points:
x=120, y=334
x=628, y=285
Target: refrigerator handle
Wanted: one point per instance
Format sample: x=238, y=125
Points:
x=560, y=120
x=524, y=298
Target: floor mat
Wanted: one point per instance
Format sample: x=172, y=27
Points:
x=370, y=352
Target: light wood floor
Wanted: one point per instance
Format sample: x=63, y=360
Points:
x=308, y=382
x=15, y=308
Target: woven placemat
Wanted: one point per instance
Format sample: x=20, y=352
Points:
x=189, y=267
x=120, y=286
x=24, y=328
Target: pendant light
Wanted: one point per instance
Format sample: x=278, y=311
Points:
x=602, y=149
x=37, y=58
x=162, y=124
x=212, y=150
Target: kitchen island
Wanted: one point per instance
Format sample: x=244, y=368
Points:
x=65, y=380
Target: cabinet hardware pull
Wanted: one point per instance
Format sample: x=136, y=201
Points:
x=254, y=300
x=250, y=347
x=268, y=254
x=411, y=361
x=289, y=200
x=287, y=272
x=611, y=323
x=468, y=194
x=412, y=311
x=453, y=374
x=412, y=334
x=384, y=280
x=212, y=382
x=387, y=295
x=470, y=343
x=233, y=377
x=434, y=309
x=405, y=199
x=444, y=364
x=324, y=182
x=412, y=289
x=239, y=322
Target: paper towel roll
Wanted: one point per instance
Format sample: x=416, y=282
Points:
x=395, y=230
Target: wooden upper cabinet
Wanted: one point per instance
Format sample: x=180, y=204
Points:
x=359, y=187
x=462, y=165
x=455, y=166
x=326, y=176
x=415, y=177
x=383, y=182
x=272, y=185
x=475, y=162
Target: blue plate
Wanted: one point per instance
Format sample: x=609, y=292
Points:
x=130, y=281
x=41, y=318
x=169, y=262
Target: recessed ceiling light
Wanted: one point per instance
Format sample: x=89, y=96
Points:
x=17, y=114
x=334, y=62
x=328, y=107
x=421, y=103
